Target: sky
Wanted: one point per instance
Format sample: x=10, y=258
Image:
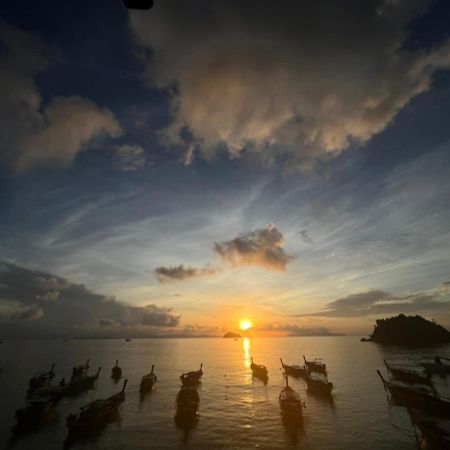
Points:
x=173, y=171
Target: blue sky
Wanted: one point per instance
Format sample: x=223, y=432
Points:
x=316, y=158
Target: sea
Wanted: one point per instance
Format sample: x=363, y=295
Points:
x=236, y=411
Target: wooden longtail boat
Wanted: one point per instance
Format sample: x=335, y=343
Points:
x=290, y=402
x=148, y=381
x=318, y=386
x=36, y=413
x=95, y=415
x=81, y=370
x=41, y=379
x=435, y=432
x=259, y=370
x=408, y=376
x=116, y=371
x=193, y=377
x=81, y=384
x=294, y=371
x=437, y=366
x=315, y=366
x=417, y=397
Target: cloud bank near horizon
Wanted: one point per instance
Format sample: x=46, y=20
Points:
x=38, y=303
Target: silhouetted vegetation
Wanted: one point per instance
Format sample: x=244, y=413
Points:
x=409, y=330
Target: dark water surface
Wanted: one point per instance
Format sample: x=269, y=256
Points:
x=236, y=412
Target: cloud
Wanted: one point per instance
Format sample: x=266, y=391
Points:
x=380, y=302
x=27, y=307
x=306, y=78
x=33, y=134
x=129, y=158
x=263, y=247
x=306, y=238
x=181, y=272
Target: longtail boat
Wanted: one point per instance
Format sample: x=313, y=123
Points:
x=193, y=377
x=435, y=432
x=290, y=402
x=318, y=386
x=408, y=376
x=259, y=370
x=81, y=384
x=116, y=371
x=95, y=415
x=316, y=365
x=417, y=397
x=36, y=413
x=294, y=371
x=437, y=366
x=148, y=381
x=41, y=379
x=81, y=370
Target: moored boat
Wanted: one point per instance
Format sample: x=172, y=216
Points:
x=95, y=415
x=294, y=371
x=81, y=370
x=417, y=397
x=408, y=376
x=82, y=383
x=289, y=400
x=41, y=379
x=116, y=371
x=148, y=381
x=435, y=432
x=437, y=366
x=193, y=377
x=318, y=385
x=259, y=370
x=36, y=413
x=316, y=365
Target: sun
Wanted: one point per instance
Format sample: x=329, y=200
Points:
x=245, y=324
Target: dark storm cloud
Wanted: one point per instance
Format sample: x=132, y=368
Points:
x=380, y=302
x=53, y=303
x=263, y=247
x=302, y=77
x=33, y=133
x=181, y=272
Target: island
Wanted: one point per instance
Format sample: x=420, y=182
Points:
x=409, y=331
x=230, y=334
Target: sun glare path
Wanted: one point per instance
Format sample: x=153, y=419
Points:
x=245, y=324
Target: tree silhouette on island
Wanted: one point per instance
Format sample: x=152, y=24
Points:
x=408, y=330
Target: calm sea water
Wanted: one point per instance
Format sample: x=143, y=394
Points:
x=236, y=412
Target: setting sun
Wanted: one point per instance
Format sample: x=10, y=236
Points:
x=245, y=324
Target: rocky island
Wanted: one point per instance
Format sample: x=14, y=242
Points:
x=408, y=330
x=230, y=334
